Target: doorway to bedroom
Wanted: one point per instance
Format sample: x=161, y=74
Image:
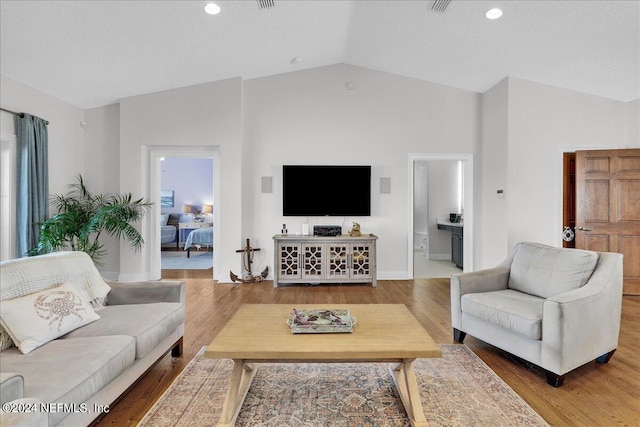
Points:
x=186, y=214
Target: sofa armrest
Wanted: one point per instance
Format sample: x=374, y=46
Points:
x=11, y=387
x=491, y=279
x=145, y=292
x=581, y=325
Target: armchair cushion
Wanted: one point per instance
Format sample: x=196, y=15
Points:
x=516, y=311
x=546, y=271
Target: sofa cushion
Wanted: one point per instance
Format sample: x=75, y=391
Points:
x=513, y=310
x=70, y=370
x=37, y=318
x=149, y=324
x=545, y=271
x=15, y=415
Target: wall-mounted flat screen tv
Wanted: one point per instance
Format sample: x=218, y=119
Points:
x=326, y=190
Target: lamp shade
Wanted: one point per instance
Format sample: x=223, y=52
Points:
x=187, y=209
x=207, y=209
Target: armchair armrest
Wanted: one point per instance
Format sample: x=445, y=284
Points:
x=11, y=387
x=491, y=279
x=145, y=292
x=581, y=325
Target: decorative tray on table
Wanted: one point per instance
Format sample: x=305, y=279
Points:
x=321, y=321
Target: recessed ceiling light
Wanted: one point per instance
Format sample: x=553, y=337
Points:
x=212, y=9
x=494, y=13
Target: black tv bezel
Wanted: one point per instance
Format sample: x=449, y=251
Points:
x=359, y=213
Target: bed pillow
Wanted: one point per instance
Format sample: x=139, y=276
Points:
x=164, y=219
x=35, y=319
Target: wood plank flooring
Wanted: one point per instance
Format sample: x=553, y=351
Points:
x=593, y=395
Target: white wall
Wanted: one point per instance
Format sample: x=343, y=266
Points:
x=633, y=123
x=191, y=183
x=206, y=116
x=420, y=201
x=309, y=117
x=493, y=235
x=541, y=123
x=102, y=170
x=66, y=137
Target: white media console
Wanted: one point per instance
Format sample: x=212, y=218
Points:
x=318, y=259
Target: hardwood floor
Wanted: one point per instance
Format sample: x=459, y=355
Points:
x=593, y=395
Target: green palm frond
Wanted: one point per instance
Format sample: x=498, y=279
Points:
x=82, y=217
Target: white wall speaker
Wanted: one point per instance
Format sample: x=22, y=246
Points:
x=385, y=185
x=266, y=184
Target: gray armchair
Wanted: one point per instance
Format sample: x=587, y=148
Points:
x=556, y=308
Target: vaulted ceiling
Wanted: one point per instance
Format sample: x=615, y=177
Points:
x=92, y=53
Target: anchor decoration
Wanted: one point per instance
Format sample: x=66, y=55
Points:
x=247, y=260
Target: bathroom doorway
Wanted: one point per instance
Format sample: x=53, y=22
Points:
x=440, y=185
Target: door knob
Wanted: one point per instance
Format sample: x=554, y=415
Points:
x=567, y=234
x=584, y=229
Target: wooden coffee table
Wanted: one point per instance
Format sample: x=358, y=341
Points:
x=258, y=333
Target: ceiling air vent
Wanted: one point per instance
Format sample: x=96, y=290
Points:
x=440, y=5
x=267, y=4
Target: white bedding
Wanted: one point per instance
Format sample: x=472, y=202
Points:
x=200, y=236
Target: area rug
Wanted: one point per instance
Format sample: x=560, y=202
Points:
x=177, y=260
x=458, y=389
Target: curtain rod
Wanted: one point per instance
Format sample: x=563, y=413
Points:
x=18, y=114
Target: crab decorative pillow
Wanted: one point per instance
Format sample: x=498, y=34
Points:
x=35, y=319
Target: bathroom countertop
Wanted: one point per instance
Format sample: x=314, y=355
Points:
x=445, y=221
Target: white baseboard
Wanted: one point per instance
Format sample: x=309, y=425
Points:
x=134, y=277
x=393, y=275
x=110, y=275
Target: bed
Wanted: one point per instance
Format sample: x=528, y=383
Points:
x=199, y=237
x=169, y=229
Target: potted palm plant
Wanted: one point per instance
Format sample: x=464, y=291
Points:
x=83, y=217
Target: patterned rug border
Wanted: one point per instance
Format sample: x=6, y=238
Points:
x=257, y=413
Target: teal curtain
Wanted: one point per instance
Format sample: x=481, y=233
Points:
x=32, y=197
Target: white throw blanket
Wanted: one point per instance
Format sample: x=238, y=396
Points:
x=23, y=276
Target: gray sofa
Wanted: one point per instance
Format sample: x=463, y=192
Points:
x=74, y=379
x=556, y=308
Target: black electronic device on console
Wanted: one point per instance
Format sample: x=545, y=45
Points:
x=327, y=230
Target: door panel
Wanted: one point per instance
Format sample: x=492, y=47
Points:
x=629, y=200
x=630, y=247
x=597, y=242
x=596, y=201
x=608, y=207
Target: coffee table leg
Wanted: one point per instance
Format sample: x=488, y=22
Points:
x=405, y=379
x=241, y=377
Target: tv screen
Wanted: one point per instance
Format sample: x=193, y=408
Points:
x=326, y=190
